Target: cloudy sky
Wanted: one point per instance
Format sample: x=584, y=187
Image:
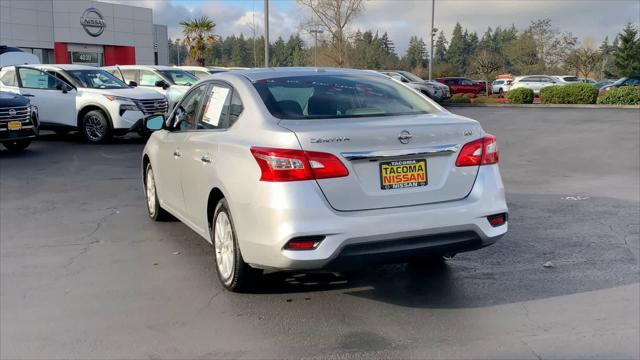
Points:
x=593, y=19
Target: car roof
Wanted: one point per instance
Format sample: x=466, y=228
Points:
x=257, y=74
x=156, y=67
x=64, y=66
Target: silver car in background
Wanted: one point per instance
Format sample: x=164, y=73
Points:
x=433, y=89
x=302, y=169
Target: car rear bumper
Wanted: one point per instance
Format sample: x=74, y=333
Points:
x=398, y=233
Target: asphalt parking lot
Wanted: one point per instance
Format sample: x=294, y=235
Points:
x=85, y=273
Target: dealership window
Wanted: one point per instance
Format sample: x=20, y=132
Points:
x=44, y=55
x=86, y=58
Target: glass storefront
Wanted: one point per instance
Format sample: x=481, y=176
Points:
x=44, y=55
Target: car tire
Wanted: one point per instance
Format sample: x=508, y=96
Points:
x=156, y=212
x=95, y=127
x=500, y=91
x=17, y=145
x=234, y=274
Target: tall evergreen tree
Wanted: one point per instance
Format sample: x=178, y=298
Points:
x=440, y=51
x=416, y=53
x=457, y=48
x=627, y=53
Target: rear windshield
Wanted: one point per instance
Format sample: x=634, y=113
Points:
x=339, y=96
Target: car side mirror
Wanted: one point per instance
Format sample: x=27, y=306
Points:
x=133, y=83
x=154, y=122
x=63, y=87
x=163, y=84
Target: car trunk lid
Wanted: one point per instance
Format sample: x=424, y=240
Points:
x=376, y=150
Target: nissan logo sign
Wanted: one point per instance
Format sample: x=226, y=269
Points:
x=93, y=22
x=12, y=112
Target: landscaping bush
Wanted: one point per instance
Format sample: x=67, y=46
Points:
x=625, y=95
x=487, y=100
x=461, y=99
x=576, y=93
x=520, y=96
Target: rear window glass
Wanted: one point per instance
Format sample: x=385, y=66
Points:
x=339, y=96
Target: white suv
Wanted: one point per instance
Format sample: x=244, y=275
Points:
x=84, y=98
x=534, y=82
x=169, y=81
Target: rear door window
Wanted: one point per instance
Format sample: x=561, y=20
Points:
x=149, y=78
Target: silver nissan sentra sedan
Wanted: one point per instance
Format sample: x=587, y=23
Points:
x=305, y=168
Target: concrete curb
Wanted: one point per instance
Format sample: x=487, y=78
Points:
x=564, y=106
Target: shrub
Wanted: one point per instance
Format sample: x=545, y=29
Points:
x=520, y=96
x=625, y=95
x=487, y=100
x=460, y=99
x=576, y=93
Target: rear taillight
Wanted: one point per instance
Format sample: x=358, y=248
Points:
x=296, y=165
x=497, y=219
x=483, y=151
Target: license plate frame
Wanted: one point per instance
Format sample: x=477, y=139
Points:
x=14, y=125
x=403, y=167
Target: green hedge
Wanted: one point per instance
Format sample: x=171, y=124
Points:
x=461, y=99
x=576, y=93
x=625, y=95
x=520, y=96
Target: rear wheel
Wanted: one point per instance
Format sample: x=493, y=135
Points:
x=95, y=127
x=156, y=212
x=233, y=272
x=17, y=145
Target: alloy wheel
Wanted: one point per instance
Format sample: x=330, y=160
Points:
x=151, y=193
x=95, y=128
x=224, y=246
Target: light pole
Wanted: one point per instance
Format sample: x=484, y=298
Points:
x=431, y=35
x=266, y=33
x=178, y=59
x=315, y=32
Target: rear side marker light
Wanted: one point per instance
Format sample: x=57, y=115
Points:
x=483, y=151
x=304, y=243
x=296, y=165
x=498, y=219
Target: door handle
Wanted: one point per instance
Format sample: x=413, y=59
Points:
x=205, y=159
x=28, y=95
x=177, y=154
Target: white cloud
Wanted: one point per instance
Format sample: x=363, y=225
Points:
x=593, y=19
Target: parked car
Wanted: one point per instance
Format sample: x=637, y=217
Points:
x=18, y=121
x=201, y=72
x=297, y=169
x=533, y=82
x=602, y=83
x=432, y=89
x=588, y=81
x=625, y=81
x=459, y=85
x=15, y=56
x=500, y=86
x=83, y=98
x=566, y=79
x=169, y=81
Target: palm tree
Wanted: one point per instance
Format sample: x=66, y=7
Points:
x=198, y=33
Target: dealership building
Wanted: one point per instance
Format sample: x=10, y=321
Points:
x=83, y=32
